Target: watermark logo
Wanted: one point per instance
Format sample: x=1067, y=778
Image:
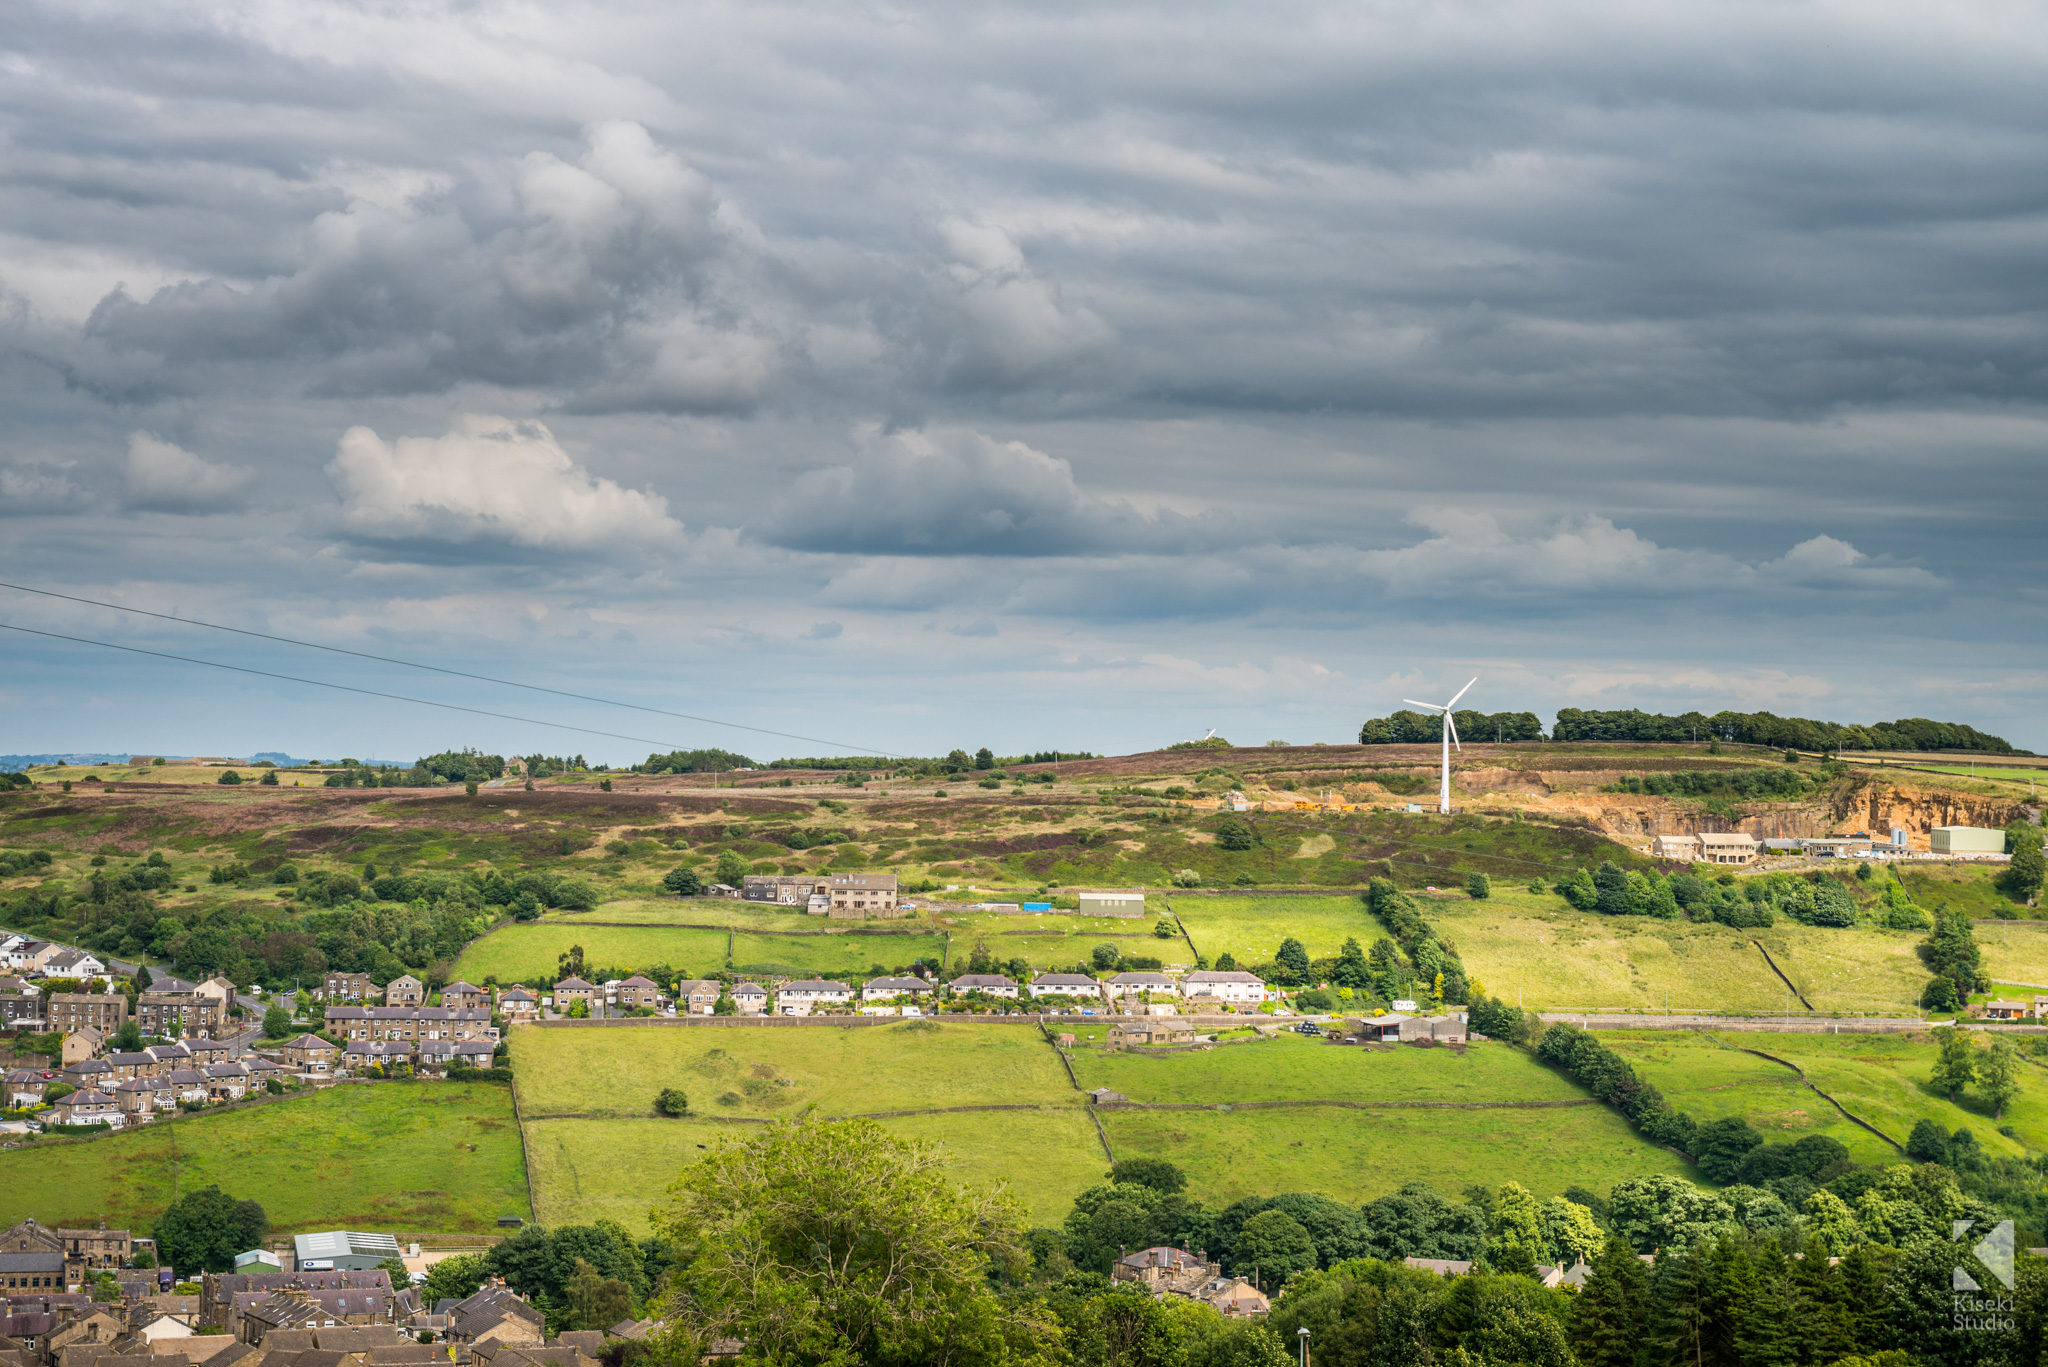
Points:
x=1994, y=1250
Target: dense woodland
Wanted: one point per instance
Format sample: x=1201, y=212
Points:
x=1740, y=728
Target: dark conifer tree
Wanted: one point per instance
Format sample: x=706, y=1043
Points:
x=1611, y=1311
x=1819, y=1309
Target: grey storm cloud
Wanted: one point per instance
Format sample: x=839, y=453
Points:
x=1669, y=350
x=959, y=492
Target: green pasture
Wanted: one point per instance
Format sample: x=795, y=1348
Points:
x=1292, y=1067
x=1250, y=928
x=784, y=1070
x=1558, y=957
x=1353, y=1156
x=522, y=952
x=1969, y=888
x=1880, y=1078
x=1531, y=948
x=587, y=1169
x=427, y=1157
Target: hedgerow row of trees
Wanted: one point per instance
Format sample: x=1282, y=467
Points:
x=1744, y=728
x=1815, y=899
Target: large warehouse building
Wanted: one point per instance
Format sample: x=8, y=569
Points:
x=1965, y=840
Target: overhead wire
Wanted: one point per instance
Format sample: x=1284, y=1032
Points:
x=351, y=688
x=436, y=669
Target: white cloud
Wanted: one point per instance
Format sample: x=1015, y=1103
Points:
x=167, y=478
x=1473, y=552
x=489, y=479
x=1824, y=562
x=1008, y=327
x=823, y=631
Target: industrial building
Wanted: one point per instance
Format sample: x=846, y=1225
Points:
x=342, y=1251
x=1965, y=840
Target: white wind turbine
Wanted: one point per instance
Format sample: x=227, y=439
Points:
x=1443, y=802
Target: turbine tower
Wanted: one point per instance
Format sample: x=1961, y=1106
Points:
x=1450, y=738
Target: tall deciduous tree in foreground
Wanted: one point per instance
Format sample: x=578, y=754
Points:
x=838, y=1243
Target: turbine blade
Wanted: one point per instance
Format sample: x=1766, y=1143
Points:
x=1425, y=706
x=1453, y=724
x=1461, y=693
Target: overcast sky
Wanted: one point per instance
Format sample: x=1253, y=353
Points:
x=1083, y=375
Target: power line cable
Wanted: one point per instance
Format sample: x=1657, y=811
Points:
x=435, y=669
x=350, y=688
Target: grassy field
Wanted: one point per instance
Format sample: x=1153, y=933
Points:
x=596, y=1149
x=1289, y=1068
x=1556, y=956
x=404, y=1156
x=1353, y=1156
x=2016, y=954
x=585, y=1169
x=1881, y=1078
x=1968, y=888
x=522, y=952
x=783, y=1070
x=1534, y=949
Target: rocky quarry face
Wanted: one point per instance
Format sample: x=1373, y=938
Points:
x=1856, y=802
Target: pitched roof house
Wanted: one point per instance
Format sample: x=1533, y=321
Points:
x=1137, y=984
x=882, y=989
x=988, y=984
x=1065, y=985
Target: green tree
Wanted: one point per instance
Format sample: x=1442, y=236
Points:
x=456, y=1277
x=984, y=758
x=1292, y=956
x=204, y=1230
x=837, y=1242
x=128, y=1039
x=668, y=1101
x=269, y=779
x=1612, y=891
x=1156, y=1173
x=1955, y=1063
x=228, y=776
x=682, y=882
x=1233, y=833
x=732, y=868
x=1214, y=1342
x=1478, y=887
x=277, y=1022
x=2023, y=877
x=1951, y=952
x=1272, y=1246
x=1580, y=890
x=595, y=1300
x=1126, y=1327
x=1998, y=1071
x=1613, y=1309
